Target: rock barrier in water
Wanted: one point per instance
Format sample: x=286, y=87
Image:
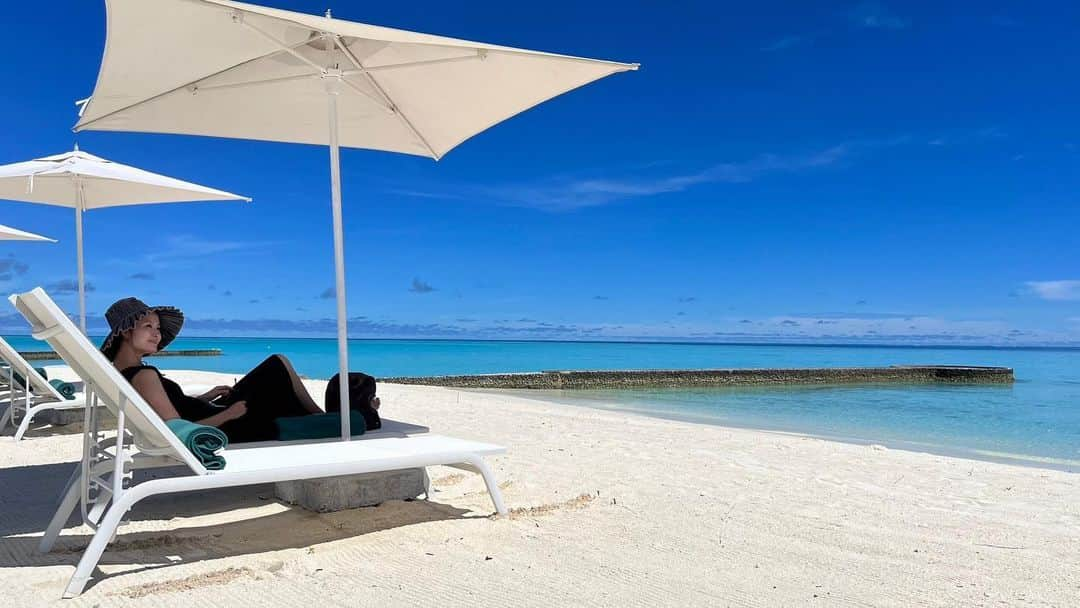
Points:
x=896, y=374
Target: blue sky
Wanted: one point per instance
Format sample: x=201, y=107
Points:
x=786, y=171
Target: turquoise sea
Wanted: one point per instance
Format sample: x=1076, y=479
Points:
x=1036, y=421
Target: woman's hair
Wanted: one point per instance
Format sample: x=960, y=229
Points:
x=113, y=347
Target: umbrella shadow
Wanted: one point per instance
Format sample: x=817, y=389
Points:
x=293, y=527
x=39, y=488
x=41, y=427
x=30, y=496
x=45, y=429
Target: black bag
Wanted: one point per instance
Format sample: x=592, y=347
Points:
x=361, y=392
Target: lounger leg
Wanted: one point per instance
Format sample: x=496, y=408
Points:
x=71, y=483
x=105, y=533
x=90, y=557
x=9, y=413
x=94, y=515
x=478, y=465
x=30, y=413
x=63, y=512
x=427, y=484
x=68, y=501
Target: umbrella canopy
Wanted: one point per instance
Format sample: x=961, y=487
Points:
x=83, y=181
x=230, y=69
x=7, y=233
x=80, y=180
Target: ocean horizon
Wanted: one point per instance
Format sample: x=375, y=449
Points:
x=856, y=343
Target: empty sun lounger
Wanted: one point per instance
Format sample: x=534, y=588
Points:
x=98, y=482
x=30, y=396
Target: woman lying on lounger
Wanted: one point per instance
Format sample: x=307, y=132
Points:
x=245, y=411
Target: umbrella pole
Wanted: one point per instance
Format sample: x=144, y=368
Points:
x=333, y=86
x=79, y=257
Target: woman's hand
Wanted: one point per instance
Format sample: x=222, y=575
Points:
x=214, y=393
x=232, y=412
x=235, y=410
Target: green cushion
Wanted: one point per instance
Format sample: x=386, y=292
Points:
x=317, y=426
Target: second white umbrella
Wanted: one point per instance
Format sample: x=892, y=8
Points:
x=84, y=181
x=7, y=233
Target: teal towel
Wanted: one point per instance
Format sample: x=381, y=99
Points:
x=317, y=426
x=203, y=441
x=22, y=381
x=66, y=389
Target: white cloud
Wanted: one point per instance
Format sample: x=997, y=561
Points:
x=801, y=328
x=962, y=137
x=898, y=325
x=784, y=43
x=421, y=194
x=186, y=246
x=567, y=194
x=11, y=268
x=874, y=15
x=564, y=195
x=1068, y=290
x=419, y=286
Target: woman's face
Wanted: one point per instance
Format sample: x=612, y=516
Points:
x=146, y=335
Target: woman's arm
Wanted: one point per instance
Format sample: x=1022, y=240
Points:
x=148, y=384
x=233, y=411
x=214, y=393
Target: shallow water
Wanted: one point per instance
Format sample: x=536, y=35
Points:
x=1026, y=424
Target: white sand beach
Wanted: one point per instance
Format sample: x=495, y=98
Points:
x=608, y=509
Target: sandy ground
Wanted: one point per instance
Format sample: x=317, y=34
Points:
x=608, y=509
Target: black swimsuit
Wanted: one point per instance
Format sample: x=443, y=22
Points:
x=189, y=408
x=267, y=389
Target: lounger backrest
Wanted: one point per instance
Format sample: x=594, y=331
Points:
x=37, y=384
x=49, y=323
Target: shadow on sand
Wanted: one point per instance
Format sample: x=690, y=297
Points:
x=33, y=491
x=40, y=427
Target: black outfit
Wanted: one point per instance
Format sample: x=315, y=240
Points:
x=267, y=389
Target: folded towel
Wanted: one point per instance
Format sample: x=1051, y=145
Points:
x=66, y=389
x=22, y=381
x=317, y=426
x=203, y=441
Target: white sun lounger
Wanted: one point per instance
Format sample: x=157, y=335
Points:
x=99, y=481
x=32, y=396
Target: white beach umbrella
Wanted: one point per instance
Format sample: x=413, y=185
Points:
x=230, y=69
x=84, y=181
x=7, y=233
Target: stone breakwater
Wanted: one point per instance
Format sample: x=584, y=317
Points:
x=897, y=374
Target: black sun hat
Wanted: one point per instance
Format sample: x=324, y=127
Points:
x=124, y=314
